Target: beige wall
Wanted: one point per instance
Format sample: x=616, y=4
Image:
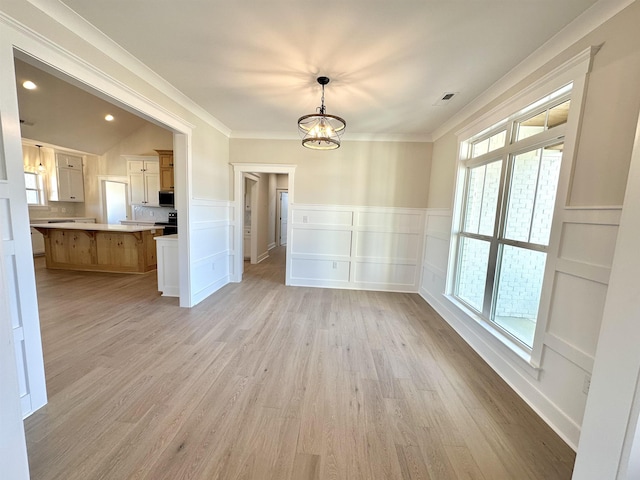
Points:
x=143, y=141
x=210, y=163
x=610, y=113
x=282, y=181
x=383, y=174
x=443, y=168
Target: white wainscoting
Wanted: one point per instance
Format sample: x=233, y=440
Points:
x=211, y=233
x=367, y=248
x=578, y=291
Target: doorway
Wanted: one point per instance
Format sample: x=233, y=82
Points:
x=115, y=201
x=24, y=315
x=240, y=169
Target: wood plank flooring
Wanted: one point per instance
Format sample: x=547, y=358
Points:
x=263, y=381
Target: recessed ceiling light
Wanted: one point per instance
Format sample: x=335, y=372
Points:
x=109, y=118
x=29, y=85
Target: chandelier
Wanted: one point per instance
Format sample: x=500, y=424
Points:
x=321, y=131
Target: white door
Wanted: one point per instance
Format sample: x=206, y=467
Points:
x=284, y=212
x=17, y=257
x=115, y=198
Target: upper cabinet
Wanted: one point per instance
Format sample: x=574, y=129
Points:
x=165, y=158
x=68, y=184
x=144, y=180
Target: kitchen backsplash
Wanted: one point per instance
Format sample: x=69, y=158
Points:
x=150, y=214
x=57, y=210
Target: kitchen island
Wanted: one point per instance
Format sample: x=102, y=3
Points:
x=99, y=247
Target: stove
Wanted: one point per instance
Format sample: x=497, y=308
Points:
x=171, y=225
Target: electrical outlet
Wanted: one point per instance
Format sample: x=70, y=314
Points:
x=586, y=384
x=335, y=265
x=64, y=210
x=305, y=219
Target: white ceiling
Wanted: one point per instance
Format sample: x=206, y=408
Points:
x=253, y=64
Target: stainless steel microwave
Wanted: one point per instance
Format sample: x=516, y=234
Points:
x=165, y=199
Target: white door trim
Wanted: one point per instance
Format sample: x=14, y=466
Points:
x=238, y=184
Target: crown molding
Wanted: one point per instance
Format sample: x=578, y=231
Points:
x=72, y=21
x=591, y=19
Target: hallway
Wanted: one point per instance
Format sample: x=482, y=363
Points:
x=263, y=381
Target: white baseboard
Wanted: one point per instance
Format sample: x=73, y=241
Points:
x=210, y=289
x=271, y=246
x=262, y=256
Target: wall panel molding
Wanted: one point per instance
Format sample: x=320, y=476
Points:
x=352, y=247
x=211, y=235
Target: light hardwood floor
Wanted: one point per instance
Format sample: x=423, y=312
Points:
x=263, y=381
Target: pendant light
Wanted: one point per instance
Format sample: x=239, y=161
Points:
x=321, y=131
x=40, y=167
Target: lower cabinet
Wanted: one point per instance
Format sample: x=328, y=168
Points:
x=168, y=272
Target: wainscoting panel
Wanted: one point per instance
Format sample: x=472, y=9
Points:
x=387, y=245
x=356, y=247
x=323, y=217
x=312, y=241
x=211, y=233
x=437, y=237
x=316, y=270
x=582, y=270
x=388, y=274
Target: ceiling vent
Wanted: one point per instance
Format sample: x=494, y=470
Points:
x=445, y=98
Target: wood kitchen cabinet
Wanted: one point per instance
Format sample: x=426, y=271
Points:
x=68, y=182
x=165, y=158
x=144, y=181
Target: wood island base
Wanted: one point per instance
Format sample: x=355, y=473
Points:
x=99, y=250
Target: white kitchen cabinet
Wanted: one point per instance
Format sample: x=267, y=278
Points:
x=144, y=181
x=68, y=184
x=72, y=162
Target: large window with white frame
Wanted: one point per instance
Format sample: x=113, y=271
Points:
x=509, y=184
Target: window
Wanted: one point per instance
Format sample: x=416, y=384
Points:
x=35, y=188
x=511, y=173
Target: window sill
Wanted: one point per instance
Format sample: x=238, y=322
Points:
x=513, y=349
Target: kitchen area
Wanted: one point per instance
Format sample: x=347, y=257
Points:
x=142, y=238
x=99, y=180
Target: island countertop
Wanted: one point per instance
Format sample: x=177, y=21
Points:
x=97, y=227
